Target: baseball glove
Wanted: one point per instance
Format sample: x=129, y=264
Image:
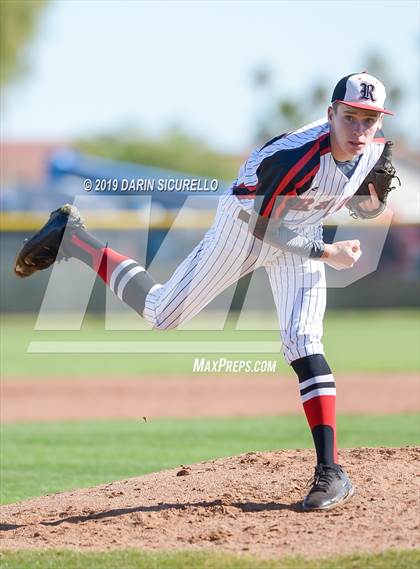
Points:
x=381, y=176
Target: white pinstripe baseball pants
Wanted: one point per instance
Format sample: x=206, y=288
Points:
x=229, y=251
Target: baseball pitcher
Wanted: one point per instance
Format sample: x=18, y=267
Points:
x=270, y=217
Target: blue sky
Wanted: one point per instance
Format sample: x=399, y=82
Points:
x=97, y=65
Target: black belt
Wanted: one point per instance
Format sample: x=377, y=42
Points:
x=244, y=215
x=260, y=227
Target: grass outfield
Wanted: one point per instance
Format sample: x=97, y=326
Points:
x=384, y=341
x=131, y=559
x=41, y=458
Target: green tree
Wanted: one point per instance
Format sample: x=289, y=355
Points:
x=175, y=150
x=18, y=20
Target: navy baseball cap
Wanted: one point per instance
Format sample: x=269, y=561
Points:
x=361, y=90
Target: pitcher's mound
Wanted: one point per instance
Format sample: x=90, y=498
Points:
x=248, y=503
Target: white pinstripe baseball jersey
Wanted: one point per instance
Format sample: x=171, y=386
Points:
x=295, y=178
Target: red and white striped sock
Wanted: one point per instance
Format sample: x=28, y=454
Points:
x=124, y=276
x=318, y=396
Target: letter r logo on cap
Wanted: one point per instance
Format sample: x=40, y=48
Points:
x=366, y=91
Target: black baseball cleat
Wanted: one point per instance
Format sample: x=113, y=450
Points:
x=46, y=246
x=331, y=487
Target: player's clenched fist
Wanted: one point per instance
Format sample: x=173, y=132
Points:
x=343, y=254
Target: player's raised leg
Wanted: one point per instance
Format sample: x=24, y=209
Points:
x=227, y=252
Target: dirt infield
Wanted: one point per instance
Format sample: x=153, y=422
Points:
x=196, y=396
x=246, y=503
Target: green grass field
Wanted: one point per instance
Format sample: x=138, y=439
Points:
x=355, y=341
x=40, y=458
x=131, y=559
